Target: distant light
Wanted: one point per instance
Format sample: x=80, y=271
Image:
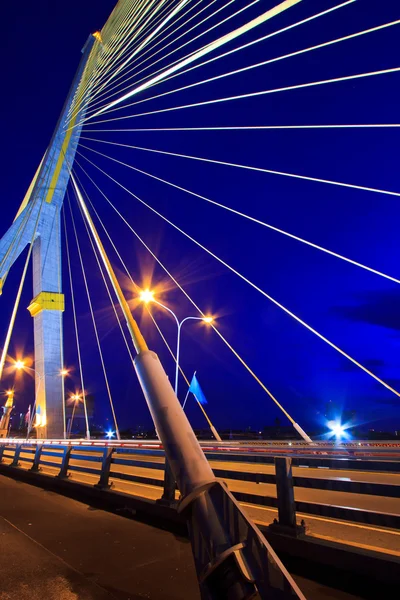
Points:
x=110, y=434
x=146, y=296
x=64, y=372
x=208, y=320
x=10, y=393
x=19, y=364
x=337, y=429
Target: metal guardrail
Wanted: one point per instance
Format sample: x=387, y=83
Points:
x=104, y=462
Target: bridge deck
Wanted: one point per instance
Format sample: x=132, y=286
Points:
x=56, y=548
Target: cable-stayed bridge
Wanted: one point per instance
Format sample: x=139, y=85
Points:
x=181, y=102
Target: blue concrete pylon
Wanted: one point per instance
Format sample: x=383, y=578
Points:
x=38, y=222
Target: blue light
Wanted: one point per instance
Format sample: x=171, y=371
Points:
x=337, y=430
x=110, y=434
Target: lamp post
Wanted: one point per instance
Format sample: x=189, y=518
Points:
x=75, y=398
x=147, y=296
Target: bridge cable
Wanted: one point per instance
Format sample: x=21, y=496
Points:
x=76, y=323
x=254, y=219
x=245, y=167
x=203, y=51
x=112, y=58
x=245, y=96
x=87, y=82
x=256, y=287
x=144, y=42
x=162, y=40
x=247, y=128
x=262, y=64
x=179, y=286
x=94, y=321
x=134, y=67
x=284, y=29
x=135, y=284
x=101, y=98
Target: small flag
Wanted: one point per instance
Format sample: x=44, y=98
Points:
x=197, y=391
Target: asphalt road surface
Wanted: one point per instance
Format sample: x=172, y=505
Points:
x=55, y=548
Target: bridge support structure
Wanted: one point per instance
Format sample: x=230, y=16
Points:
x=37, y=224
x=5, y=418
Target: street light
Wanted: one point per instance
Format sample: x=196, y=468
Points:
x=75, y=398
x=20, y=365
x=147, y=296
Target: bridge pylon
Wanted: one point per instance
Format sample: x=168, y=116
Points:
x=38, y=223
x=5, y=417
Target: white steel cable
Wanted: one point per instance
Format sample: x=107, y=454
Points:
x=236, y=354
x=262, y=64
x=249, y=95
x=269, y=393
x=146, y=41
x=256, y=287
x=250, y=168
x=91, y=83
x=286, y=4
x=162, y=58
x=134, y=66
x=106, y=284
x=246, y=128
x=78, y=348
x=94, y=323
x=254, y=220
x=261, y=39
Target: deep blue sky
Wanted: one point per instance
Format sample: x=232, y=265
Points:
x=358, y=311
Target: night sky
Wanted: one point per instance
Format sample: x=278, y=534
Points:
x=356, y=310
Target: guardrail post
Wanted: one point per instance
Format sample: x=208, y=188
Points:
x=286, y=522
x=63, y=474
x=105, y=469
x=168, y=497
x=36, y=459
x=17, y=452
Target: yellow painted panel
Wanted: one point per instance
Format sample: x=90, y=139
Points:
x=46, y=301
